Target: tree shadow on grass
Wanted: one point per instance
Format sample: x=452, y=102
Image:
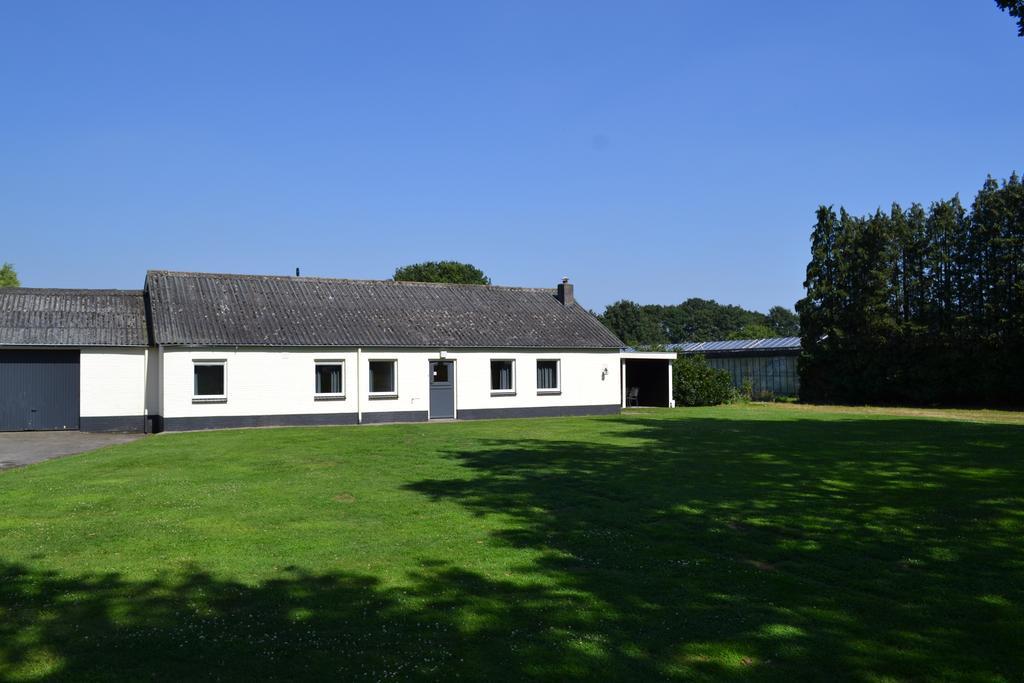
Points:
x=695, y=549
x=449, y=623
x=864, y=548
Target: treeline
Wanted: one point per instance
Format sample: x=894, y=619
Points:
x=918, y=306
x=695, y=320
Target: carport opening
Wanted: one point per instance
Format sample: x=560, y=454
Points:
x=647, y=383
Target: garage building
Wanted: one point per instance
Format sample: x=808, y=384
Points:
x=72, y=359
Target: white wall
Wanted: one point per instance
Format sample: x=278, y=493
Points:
x=280, y=381
x=112, y=382
x=259, y=382
x=411, y=379
x=584, y=381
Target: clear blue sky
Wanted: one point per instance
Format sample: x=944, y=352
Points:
x=652, y=151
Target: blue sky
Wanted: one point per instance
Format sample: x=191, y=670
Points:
x=652, y=151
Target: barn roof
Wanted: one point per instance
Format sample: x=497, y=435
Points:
x=739, y=346
x=72, y=317
x=207, y=309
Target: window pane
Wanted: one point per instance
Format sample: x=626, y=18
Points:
x=328, y=379
x=547, y=374
x=208, y=380
x=440, y=372
x=382, y=376
x=501, y=375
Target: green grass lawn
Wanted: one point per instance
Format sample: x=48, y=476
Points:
x=755, y=542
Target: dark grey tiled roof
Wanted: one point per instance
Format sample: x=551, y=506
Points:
x=72, y=317
x=251, y=310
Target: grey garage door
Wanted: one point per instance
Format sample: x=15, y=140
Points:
x=38, y=390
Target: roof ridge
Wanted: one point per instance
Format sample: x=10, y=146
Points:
x=404, y=283
x=70, y=290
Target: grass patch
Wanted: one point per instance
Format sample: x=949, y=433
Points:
x=748, y=542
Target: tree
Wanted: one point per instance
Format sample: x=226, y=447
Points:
x=697, y=320
x=8, y=276
x=451, y=272
x=783, y=322
x=1015, y=8
x=694, y=320
x=753, y=331
x=819, y=310
x=634, y=324
x=917, y=306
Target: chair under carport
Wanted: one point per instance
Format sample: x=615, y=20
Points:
x=647, y=379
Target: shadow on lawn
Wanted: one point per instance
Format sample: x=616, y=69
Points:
x=674, y=548
x=302, y=626
x=869, y=548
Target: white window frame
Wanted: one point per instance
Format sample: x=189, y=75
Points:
x=490, y=379
x=329, y=396
x=394, y=375
x=210, y=398
x=558, y=376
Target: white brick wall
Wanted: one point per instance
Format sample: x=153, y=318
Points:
x=259, y=382
x=280, y=381
x=112, y=382
x=584, y=381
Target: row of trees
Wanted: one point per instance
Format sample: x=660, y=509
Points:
x=695, y=320
x=643, y=325
x=922, y=306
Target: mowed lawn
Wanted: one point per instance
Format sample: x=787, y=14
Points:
x=748, y=542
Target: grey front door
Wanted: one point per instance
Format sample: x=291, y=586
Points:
x=442, y=389
x=38, y=390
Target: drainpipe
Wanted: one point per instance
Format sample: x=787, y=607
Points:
x=359, y=386
x=160, y=383
x=145, y=389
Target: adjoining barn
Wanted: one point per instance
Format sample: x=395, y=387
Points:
x=73, y=359
x=768, y=364
x=202, y=350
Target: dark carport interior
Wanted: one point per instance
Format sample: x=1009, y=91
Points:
x=647, y=381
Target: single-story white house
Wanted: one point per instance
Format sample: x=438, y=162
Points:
x=201, y=351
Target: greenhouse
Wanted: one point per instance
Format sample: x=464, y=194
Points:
x=769, y=365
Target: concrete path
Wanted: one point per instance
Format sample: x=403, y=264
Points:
x=25, y=448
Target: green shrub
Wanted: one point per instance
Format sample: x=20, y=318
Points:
x=746, y=390
x=695, y=383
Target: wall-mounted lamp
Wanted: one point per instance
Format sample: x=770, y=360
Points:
x=604, y=373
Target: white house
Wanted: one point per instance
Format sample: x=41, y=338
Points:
x=200, y=351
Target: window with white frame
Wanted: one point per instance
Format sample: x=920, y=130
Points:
x=549, y=376
x=383, y=378
x=209, y=380
x=503, y=377
x=329, y=379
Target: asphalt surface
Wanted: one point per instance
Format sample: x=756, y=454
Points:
x=24, y=448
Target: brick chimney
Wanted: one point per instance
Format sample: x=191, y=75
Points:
x=565, y=292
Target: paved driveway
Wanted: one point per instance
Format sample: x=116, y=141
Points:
x=25, y=448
